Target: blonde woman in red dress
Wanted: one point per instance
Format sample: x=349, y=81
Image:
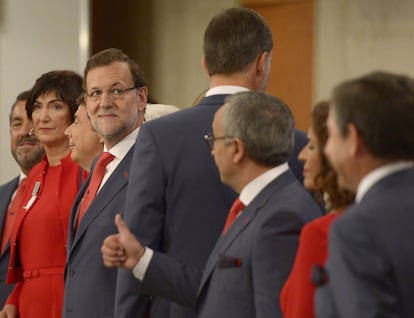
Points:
x=38, y=238
x=298, y=292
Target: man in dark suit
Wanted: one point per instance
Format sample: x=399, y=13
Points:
x=116, y=96
x=251, y=141
x=175, y=202
x=27, y=152
x=371, y=146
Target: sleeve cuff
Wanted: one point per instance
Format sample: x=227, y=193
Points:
x=141, y=267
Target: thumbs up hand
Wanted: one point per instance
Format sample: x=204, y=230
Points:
x=121, y=249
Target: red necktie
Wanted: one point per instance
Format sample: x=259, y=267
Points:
x=12, y=211
x=96, y=179
x=234, y=212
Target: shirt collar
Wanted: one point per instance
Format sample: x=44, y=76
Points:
x=252, y=189
x=121, y=148
x=225, y=89
x=376, y=175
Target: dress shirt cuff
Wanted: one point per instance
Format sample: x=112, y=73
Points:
x=141, y=268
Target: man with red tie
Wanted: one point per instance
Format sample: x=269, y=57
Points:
x=116, y=97
x=251, y=142
x=27, y=151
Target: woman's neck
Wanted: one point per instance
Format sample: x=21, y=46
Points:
x=55, y=153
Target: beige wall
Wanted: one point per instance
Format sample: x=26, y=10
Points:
x=354, y=37
x=177, y=48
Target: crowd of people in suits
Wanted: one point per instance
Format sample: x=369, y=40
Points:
x=223, y=209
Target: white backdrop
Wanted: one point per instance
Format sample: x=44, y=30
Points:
x=36, y=37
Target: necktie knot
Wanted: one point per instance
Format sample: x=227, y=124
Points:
x=105, y=159
x=235, y=209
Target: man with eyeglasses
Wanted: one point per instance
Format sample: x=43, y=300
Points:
x=244, y=274
x=115, y=97
x=175, y=202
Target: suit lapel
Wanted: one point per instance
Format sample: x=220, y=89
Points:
x=115, y=184
x=242, y=222
x=6, y=193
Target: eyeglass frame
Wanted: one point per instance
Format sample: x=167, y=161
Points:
x=110, y=92
x=210, y=139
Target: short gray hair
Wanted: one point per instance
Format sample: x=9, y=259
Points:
x=265, y=125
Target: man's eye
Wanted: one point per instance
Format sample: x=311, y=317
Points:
x=117, y=91
x=16, y=125
x=96, y=93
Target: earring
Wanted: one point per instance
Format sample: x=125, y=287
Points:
x=31, y=133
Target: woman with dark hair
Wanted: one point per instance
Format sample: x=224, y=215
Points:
x=319, y=178
x=38, y=238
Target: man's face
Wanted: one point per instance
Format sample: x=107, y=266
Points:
x=114, y=117
x=26, y=149
x=84, y=141
x=337, y=149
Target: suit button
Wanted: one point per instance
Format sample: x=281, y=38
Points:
x=71, y=272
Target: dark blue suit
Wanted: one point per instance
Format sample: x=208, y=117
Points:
x=6, y=192
x=176, y=202
x=89, y=285
x=371, y=258
x=249, y=265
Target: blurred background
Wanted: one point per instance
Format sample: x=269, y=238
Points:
x=318, y=43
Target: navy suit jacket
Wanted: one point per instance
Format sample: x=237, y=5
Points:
x=248, y=266
x=89, y=285
x=176, y=203
x=6, y=192
x=371, y=260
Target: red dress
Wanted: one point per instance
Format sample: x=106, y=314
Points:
x=38, y=240
x=297, y=295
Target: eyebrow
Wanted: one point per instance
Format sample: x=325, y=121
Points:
x=49, y=102
x=112, y=85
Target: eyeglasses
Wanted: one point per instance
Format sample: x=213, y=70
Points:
x=114, y=93
x=210, y=139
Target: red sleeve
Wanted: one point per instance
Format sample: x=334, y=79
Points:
x=298, y=292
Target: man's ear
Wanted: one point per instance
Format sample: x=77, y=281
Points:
x=142, y=95
x=356, y=143
x=204, y=65
x=261, y=64
x=239, y=150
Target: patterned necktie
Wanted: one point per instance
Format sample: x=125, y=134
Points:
x=96, y=179
x=12, y=211
x=234, y=212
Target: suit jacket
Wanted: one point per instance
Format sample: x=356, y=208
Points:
x=249, y=264
x=371, y=260
x=89, y=285
x=175, y=202
x=6, y=193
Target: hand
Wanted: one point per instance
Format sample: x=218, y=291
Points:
x=122, y=249
x=8, y=311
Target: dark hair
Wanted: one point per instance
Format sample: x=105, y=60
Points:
x=326, y=179
x=23, y=96
x=265, y=125
x=109, y=56
x=381, y=106
x=233, y=39
x=66, y=84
